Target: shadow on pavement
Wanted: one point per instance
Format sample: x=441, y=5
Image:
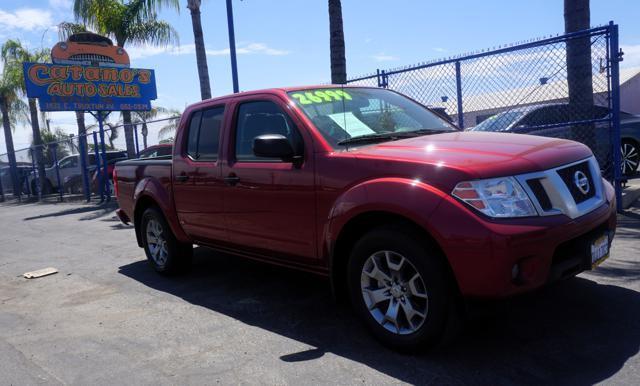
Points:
x=93, y=211
x=574, y=332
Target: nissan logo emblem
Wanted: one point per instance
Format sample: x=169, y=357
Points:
x=581, y=181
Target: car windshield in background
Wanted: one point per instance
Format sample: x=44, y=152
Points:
x=360, y=115
x=500, y=122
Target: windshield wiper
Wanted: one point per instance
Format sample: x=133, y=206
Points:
x=374, y=137
x=390, y=135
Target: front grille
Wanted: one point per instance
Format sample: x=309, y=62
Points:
x=541, y=195
x=92, y=58
x=568, y=177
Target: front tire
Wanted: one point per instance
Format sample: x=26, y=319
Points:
x=164, y=252
x=399, y=288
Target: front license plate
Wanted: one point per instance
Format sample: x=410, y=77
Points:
x=599, y=250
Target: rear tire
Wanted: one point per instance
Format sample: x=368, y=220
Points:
x=164, y=252
x=399, y=287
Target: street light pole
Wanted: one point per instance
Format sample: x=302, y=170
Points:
x=232, y=46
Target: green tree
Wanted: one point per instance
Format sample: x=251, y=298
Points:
x=128, y=22
x=169, y=128
x=14, y=111
x=13, y=54
x=336, y=43
x=62, y=148
x=201, y=54
x=579, y=69
x=143, y=117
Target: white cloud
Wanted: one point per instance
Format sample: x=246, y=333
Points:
x=66, y=4
x=631, y=56
x=28, y=19
x=439, y=49
x=382, y=57
x=188, y=49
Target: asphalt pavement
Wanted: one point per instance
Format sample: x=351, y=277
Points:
x=107, y=318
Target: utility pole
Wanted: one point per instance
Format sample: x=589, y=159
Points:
x=232, y=46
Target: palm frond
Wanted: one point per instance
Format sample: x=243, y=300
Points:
x=66, y=29
x=155, y=32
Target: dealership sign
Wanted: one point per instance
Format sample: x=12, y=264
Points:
x=70, y=87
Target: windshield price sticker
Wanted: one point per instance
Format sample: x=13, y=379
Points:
x=321, y=96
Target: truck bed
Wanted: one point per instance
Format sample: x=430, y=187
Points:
x=131, y=173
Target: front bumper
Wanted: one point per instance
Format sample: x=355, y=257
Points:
x=483, y=252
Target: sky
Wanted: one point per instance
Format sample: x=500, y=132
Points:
x=286, y=42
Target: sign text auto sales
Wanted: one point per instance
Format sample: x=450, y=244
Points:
x=77, y=87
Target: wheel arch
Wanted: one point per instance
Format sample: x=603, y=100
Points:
x=143, y=203
x=362, y=223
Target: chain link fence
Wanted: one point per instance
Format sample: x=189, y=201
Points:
x=68, y=173
x=564, y=87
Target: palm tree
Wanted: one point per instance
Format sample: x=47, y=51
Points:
x=579, y=70
x=13, y=110
x=201, y=55
x=63, y=144
x=13, y=54
x=336, y=43
x=142, y=117
x=170, y=126
x=135, y=22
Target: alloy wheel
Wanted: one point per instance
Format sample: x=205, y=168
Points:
x=394, y=292
x=156, y=242
x=630, y=157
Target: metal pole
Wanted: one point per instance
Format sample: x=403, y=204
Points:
x=35, y=173
x=135, y=132
x=96, y=149
x=105, y=171
x=1, y=190
x=82, y=144
x=459, y=96
x=232, y=46
x=615, y=112
x=55, y=162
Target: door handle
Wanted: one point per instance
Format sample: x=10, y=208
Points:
x=182, y=178
x=231, y=180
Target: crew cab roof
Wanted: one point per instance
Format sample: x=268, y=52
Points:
x=275, y=91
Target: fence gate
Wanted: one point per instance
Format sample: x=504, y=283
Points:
x=566, y=86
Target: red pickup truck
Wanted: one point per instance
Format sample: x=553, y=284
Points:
x=404, y=213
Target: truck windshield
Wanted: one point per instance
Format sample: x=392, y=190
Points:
x=358, y=115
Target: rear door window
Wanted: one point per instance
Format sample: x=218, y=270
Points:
x=209, y=135
x=204, y=134
x=194, y=128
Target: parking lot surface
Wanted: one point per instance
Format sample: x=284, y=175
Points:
x=107, y=318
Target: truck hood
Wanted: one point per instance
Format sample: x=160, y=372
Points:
x=479, y=154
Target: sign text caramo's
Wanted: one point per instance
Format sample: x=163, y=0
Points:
x=61, y=86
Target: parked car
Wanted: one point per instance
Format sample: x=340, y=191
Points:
x=89, y=49
x=161, y=150
x=527, y=119
x=70, y=171
x=7, y=183
x=405, y=213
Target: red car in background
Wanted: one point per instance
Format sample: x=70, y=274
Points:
x=161, y=150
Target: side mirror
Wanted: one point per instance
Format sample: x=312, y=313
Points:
x=273, y=146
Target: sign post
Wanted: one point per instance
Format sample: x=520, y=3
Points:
x=97, y=90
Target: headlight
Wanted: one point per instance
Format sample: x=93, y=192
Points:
x=496, y=197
